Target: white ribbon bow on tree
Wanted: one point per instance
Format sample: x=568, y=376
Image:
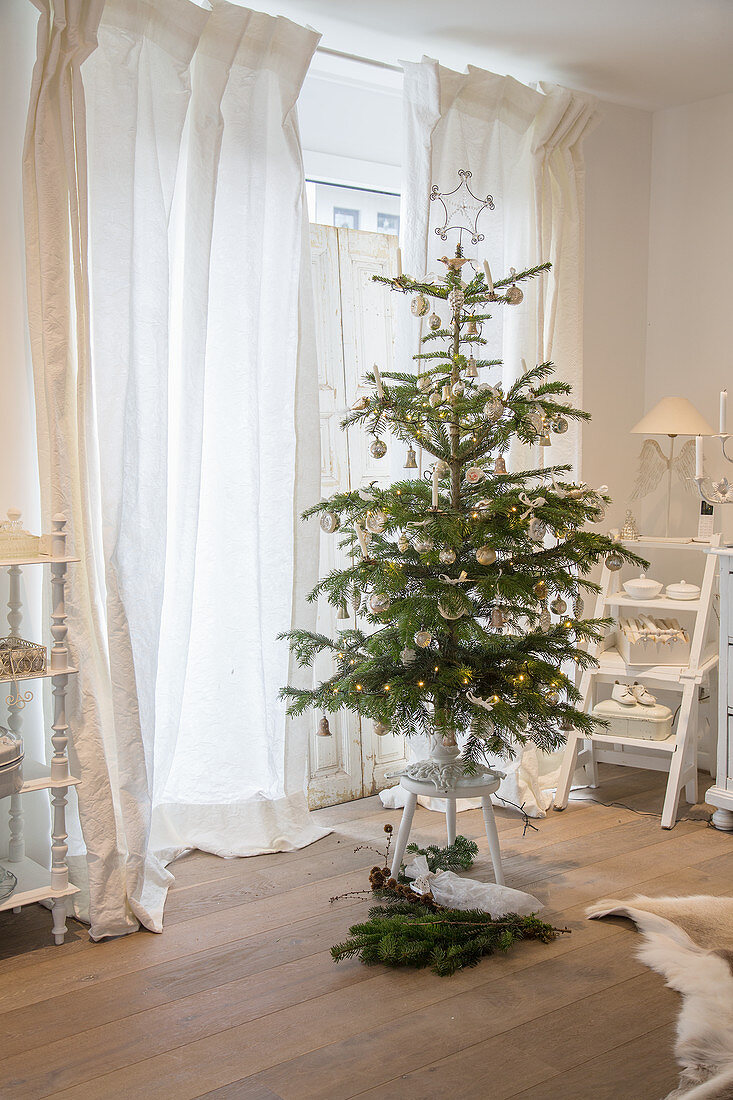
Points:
x=531, y=504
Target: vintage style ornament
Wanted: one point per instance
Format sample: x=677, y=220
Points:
x=497, y=618
x=446, y=395
x=578, y=606
x=545, y=620
x=447, y=556
x=629, y=531
x=494, y=410
x=424, y=382
x=474, y=475
x=329, y=522
x=434, y=322
x=324, y=730
x=499, y=465
x=553, y=698
x=435, y=399
x=514, y=295
x=559, y=606
x=537, y=529
x=485, y=555
x=380, y=730
x=471, y=329
x=471, y=368
x=376, y=522
x=419, y=305
x=403, y=543
x=360, y=403
x=423, y=544
x=408, y=656
x=458, y=389
x=614, y=562
x=410, y=460
x=451, y=606
x=343, y=611
x=423, y=638
x=379, y=602
x=378, y=449
x=456, y=299
x=540, y=590
x=559, y=425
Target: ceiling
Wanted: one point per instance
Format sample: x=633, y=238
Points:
x=643, y=53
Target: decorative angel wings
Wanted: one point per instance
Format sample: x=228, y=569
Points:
x=653, y=464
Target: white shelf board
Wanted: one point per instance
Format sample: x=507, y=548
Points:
x=37, y=777
x=619, y=599
x=667, y=745
x=40, y=559
x=34, y=884
x=47, y=675
x=610, y=662
x=666, y=544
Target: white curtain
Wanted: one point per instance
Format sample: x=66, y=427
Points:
x=523, y=146
x=176, y=398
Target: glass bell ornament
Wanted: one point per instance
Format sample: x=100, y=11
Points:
x=403, y=543
x=536, y=530
x=378, y=449
x=559, y=425
x=380, y=730
x=471, y=368
x=408, y=656
x=410, y=460
x=375, y=522
x=497, y=618
x=324, y=730
x=419, y=305
x=434, y=322
x=540, y=590
x=424, y=383
x=472, y=329
x=447, y=556
x=343, y=611
x=458, y=389
x=329, y=522
x=435, y=399
x=379, y=602
x=456, y=298
x=614, y=562
x=485, y=555
x=423, y=544
x=629, y=531
x=499, y=465
x=423, y=638
x=559, y=606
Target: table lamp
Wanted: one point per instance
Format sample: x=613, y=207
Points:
x=672, y=416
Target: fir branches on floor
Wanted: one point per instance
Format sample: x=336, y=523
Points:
x=458, y=856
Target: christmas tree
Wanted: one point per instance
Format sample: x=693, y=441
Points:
x=468, y=586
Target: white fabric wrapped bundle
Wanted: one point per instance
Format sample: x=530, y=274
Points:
x=454, y=892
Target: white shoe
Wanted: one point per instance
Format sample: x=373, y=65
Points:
x=622, y=694
x=642, y=695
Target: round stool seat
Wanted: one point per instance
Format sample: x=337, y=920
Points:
x=470, y=787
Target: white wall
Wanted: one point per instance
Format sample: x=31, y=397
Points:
x=689, y=343
x=618, y=167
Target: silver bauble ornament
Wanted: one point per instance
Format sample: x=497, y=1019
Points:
x=435, y=399
x=379, y=602
x=559, y=425
x=419, y=305
x=408, y=657
x=559, y=606
x=456, y=298
x=423, y=544
x=552, y=698
x=458, y=389
x=376, y=522
x=536, y=530
x=514, y=295
x=423, y=638
x=378, y=449
x=424, y=383
x=540, y=590
x=403, y=543
x=451, y=606
x=330, y=522
x=447, y=556
x=434, y=322
x=614, y=562
x=485, y=555
x=442, y=468
x=380, y=730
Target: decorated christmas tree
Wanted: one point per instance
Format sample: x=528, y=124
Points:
x=468, y=583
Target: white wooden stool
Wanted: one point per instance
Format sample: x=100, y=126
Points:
x=481, y=788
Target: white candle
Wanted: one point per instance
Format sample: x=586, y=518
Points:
x=489, y=280
x=399, y=262
x=524, y=365
x=723, y=411
x=698, y=456
x=378, y=380
x=436, y=474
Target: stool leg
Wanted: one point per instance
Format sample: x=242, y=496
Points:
x=403, y=833
x=493, y=838
x=450, y=819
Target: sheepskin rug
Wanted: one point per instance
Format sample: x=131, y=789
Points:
x=689, y=941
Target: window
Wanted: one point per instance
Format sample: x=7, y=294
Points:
x=353, y=207
x=345, y=219
x=389, y=223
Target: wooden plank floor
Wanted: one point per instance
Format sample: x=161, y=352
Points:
x=239, y=997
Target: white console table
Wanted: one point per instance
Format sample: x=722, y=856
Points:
x=721, y=795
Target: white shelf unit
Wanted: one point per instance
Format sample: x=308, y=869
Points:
x=35, y=882
x=677, y=754
x=721, y=794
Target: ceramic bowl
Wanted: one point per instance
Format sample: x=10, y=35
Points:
x=683, y=591
x=643, y=588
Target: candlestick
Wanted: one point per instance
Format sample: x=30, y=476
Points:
x=723, y=411
x=378, y=380
x=489, y=280
x=698, y=456
x=399, y=262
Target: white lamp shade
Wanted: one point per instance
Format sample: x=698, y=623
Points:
x=673, y=416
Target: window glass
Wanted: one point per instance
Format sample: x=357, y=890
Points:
x=353, y=207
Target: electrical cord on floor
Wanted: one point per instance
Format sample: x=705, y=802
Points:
x=527, y=823
x=642, y=813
